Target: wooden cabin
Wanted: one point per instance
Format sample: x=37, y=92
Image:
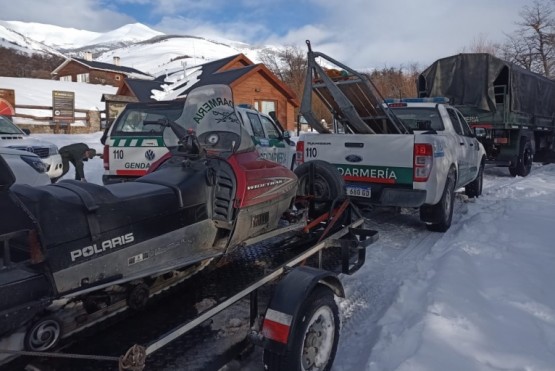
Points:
x=252, y=84
x=89, y=71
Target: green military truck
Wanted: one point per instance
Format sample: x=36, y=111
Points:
x=511, y=109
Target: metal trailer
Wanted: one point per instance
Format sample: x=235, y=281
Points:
x=354, y=101
x=511, y=109
x=299, y=327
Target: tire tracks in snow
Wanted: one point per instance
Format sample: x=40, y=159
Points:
x=390, y=261
x=398, y=256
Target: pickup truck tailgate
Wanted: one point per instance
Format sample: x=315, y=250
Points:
x=378, y=158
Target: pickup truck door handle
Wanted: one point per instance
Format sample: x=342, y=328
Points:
x=461, y=143
x=471, y=144
x=354, y=145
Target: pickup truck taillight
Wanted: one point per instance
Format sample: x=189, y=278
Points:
x=423, y=160
x=299, y=158
x=106, y=157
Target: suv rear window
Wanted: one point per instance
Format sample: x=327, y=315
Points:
x=131, y=120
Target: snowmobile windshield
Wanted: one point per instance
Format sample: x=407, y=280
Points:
x=210, y=111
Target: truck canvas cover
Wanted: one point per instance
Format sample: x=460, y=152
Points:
x=469, y=80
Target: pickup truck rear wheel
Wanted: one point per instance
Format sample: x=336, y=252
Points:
x=440, y=215
x=327, y=185
x=474, y=188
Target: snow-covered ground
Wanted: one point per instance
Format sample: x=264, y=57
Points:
x=478, y=297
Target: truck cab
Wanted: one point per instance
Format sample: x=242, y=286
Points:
x=422, y=168
x=131, y=147
x=435, y=115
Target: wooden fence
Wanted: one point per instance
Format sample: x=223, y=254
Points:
x=87, y=121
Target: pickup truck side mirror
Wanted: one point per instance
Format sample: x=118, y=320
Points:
x=286, y=135
x=26, y=131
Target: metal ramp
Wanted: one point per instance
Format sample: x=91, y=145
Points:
x=350, y=96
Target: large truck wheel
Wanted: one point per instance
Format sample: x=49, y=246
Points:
x=314, y=336
x=440, y=215
x=524, y=160
x=474, y=188
x=327, y=185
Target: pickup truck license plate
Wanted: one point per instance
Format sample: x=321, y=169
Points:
x=358, y=191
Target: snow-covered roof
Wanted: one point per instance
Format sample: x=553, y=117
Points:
x=128, y=71
x=181, y=82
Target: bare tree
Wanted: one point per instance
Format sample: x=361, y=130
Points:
x=290, y=65
x=481, y=44
x=533, y=44
x=516, y=50
x=396, y=82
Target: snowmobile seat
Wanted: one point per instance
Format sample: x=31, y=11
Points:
x=188, y=183
x=71, y=210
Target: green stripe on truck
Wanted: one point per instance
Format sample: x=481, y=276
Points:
x=138, y=142
x=376, y=174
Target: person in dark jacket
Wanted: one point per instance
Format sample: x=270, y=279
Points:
x=75, y=153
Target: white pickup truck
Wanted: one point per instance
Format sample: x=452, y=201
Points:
x=420, y=169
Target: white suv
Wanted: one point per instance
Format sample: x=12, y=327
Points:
x=27, y=167
x=131, y=147
x=13, y=137
x=273, y=143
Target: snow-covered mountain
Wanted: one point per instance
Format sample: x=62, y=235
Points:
x=71, y=38
x=168, y=53
x=137, y=45
x=12, y=39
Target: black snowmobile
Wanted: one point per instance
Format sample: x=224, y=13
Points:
x=78, y=241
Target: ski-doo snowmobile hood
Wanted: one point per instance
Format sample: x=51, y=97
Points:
x=210, y=112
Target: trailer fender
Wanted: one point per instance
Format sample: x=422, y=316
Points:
x=287, y=301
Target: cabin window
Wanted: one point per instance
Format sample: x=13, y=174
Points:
x=265, y=106
x=65, y=78
x=118, y=77
x=83, y=77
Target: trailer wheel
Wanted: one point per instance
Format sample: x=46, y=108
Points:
x=441, y=214
x=328, y=184
x=314, y=336
x=43, y=335
x=474, y=188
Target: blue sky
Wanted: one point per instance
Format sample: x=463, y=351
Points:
x=278, y=16
x=363, y=33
